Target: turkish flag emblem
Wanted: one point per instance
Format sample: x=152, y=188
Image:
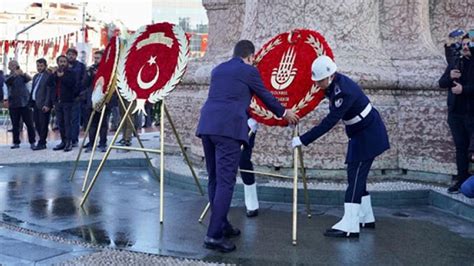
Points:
x=105, y=75
x=154, y=60
x=285, y=66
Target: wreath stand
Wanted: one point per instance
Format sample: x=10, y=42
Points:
x=298, y=164
x=126, y=116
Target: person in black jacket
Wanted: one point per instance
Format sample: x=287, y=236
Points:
x=64, y=84
x=18, y=99
x=79, y=70
x=40, y=101
x=459, y=80
x=104, y=127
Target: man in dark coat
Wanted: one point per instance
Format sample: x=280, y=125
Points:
x=18, y=100
x=40, y=100
x=64, y=84
x=458, y=79
x=223, y=129
x=79, y=70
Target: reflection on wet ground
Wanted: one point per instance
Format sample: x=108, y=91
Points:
x=123, y=212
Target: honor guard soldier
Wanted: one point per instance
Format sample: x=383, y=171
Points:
x=367, y=139
x=250, y=186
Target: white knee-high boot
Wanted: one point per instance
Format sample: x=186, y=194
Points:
x=251, y=198
x=366, y=215
x=349, y=224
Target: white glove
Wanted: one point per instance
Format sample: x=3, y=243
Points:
x=295, y=142
x=253, y=125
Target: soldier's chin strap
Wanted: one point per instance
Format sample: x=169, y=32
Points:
x=331, y=78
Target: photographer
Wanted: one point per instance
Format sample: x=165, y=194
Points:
x=17, y=103
x=459, y=80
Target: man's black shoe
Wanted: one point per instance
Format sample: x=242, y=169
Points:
x=253, y=213
x=222, y=245
x=15, y=146
x=367, y=225
x=68, y=147
x=231, y=232
x=455, y=188
x=338, y=233
x=88, y=149
x=74, y=144
x=102, y=148
x=60, y=146
x=32, y=146
x=40, y=147
x=86, y=145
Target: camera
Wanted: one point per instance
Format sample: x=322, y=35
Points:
x=453, y=50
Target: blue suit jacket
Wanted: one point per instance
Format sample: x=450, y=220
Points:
x=367, y=138
x=233, y=83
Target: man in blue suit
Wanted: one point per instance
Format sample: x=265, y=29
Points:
x=223, y=129
x=367, y=139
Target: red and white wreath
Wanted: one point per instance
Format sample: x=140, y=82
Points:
x=105, y=76
x=284, y=63
x=152, y=63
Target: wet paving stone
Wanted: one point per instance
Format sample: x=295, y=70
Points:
x=123, y=213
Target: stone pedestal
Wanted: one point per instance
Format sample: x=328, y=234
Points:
x=392, y=48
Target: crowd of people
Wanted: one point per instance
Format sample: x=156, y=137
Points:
x=62, y=92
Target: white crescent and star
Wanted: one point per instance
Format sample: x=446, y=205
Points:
x=147, y=85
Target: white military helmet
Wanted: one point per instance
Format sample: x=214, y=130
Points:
x=322, y=67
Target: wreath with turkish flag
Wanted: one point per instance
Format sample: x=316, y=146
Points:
x=152, y=63
x=105, y=76
x=285, y=66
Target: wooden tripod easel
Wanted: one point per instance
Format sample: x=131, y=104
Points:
x=297, y=163
x=126, y=116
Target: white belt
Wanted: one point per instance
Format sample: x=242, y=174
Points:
x=359, y=117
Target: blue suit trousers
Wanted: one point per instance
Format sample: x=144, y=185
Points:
x=222, y=162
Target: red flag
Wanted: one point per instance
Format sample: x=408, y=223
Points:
x=104, y=38
x=7, y=47
x=65, y=44
x=46, y=45
x=36, y=45
x=86, y=35
x=55, y=47
x=203, y=43
x=28, y=45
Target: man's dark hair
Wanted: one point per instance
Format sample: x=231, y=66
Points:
x=42, y=61
x=71, y=50
x=243, y=49
x=101, y=52
x=57, y=58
